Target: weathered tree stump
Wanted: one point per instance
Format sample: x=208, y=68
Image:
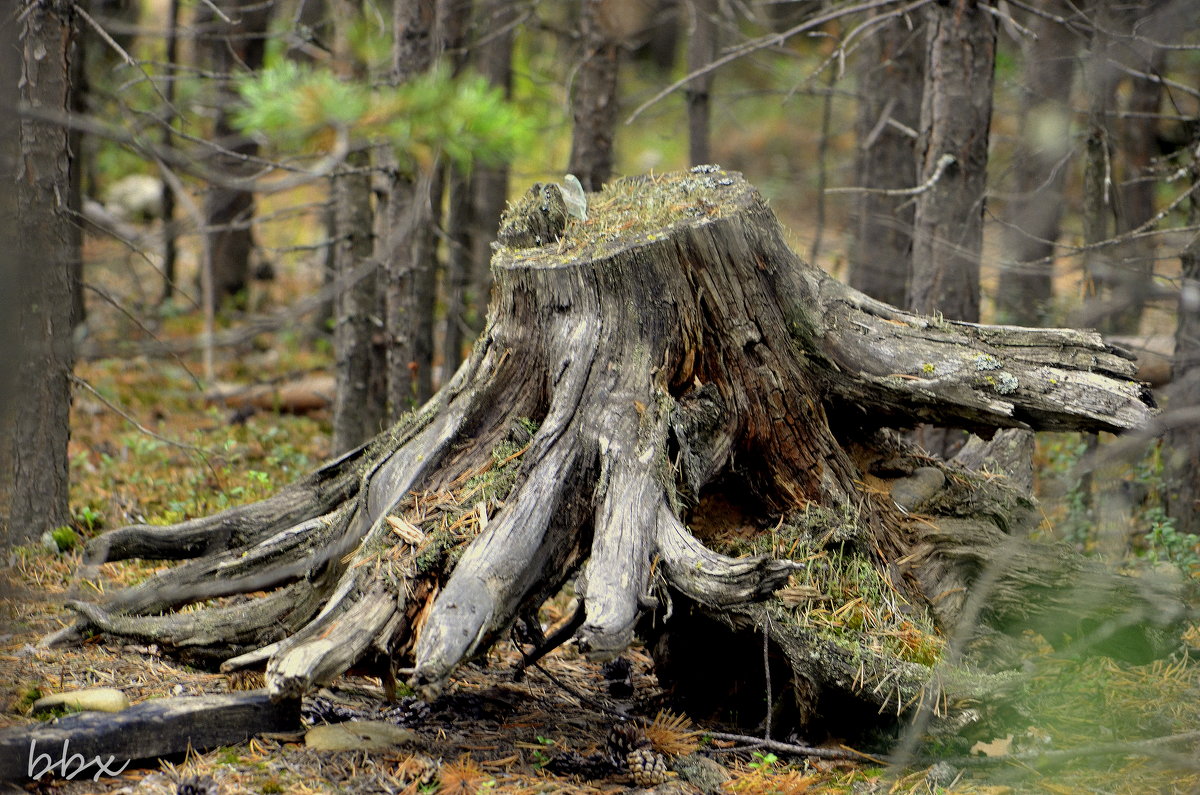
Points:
x=670, y=407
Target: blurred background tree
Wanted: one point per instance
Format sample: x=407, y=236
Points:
x=359, y=153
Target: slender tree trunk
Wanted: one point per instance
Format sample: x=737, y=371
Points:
x=1101, y=270
x=229, y=212
x=14, y=270
x=1040, y=164
x=170, y=238
x=460, y=226
x=358, y=409
x=594, y=99
x=404, y=238
x=891, y=69
x=357, y=414
x=35, y=430
x=1138, y=136
x=703, y=43
x=956, y=112
x=454, y=28
x=1181, y=445
x=489, y=185
x=426, y=238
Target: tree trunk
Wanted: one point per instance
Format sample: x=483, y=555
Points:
x=454, y=22
x=891, y=70
x=594, y=99
x=1138, y=141
x=460, y=224
x=357, y=411
x=229, y=212
x=358, y=337
x=405, y=233
x=678, y=412
x=489, y=185
x=703, y=43
x=956, y=112
x=14, y=270
x=35, y=427
x=1040, y=162
x=1181, y=445
x=169, y=232
x=1099, y=201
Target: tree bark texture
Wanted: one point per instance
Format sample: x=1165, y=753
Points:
x=489, y=185
x=594, y=99
x=1102, y=271
x=891, y=70
x=1040, y=166
x=1138, y=141
x=672, y=408
x=956, y=112
x=457, y=281
x=232, y=47
x=357, y=335
x=1181, y=445
x=407, y=254
x=703, y=43
x=13, y=269
x=33, y=438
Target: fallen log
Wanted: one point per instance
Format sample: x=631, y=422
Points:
x=92, y=745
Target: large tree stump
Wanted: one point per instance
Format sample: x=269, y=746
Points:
x=670, y=407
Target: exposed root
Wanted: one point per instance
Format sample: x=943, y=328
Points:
x=215, y=632
x=235, y=528
x=710, y=578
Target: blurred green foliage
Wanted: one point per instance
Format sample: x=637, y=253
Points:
x=463, y=117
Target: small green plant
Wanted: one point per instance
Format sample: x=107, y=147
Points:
x=1165, y=544
x=88, y=518
x=62, y=539
x=540, y=759
x=763, y=762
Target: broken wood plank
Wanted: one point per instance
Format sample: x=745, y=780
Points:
x=90, y=744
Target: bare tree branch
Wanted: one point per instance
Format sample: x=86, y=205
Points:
x=944, y=162
x=762, y=43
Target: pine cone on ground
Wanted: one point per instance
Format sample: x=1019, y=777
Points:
x=198, y=785
x=618, y=677
x=623, y=738
x=647, y=767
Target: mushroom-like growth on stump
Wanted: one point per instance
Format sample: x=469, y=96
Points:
x=669, y=406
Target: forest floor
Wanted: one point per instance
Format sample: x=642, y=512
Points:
x=148, y=444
